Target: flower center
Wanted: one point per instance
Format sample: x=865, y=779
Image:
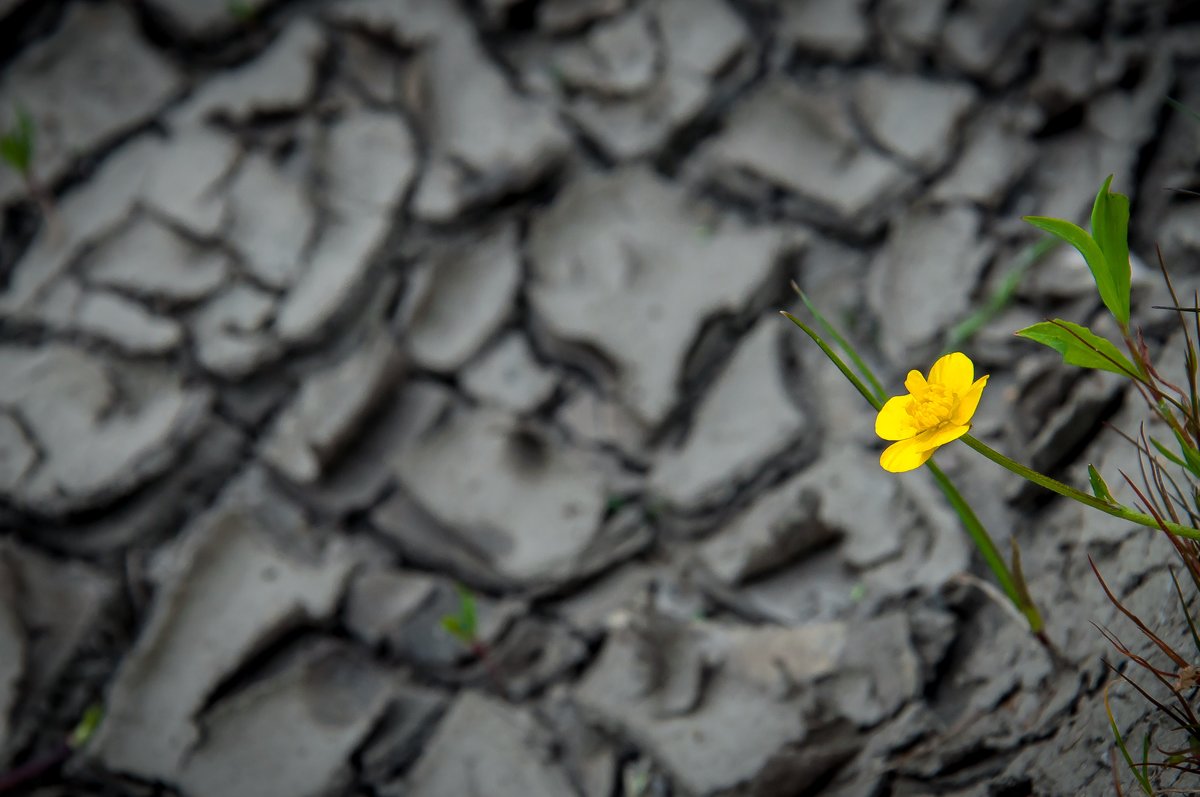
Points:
x=932, y=407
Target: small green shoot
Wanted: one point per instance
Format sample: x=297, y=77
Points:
x=637, y=783
x=463, y=625
x=1099, y=486
x=86, y=726
x=616, y=502
x=19, y=778
x=1187, y=612
x=17, y=144
x=18, y=150
x=241, y=10
x=1139, y=772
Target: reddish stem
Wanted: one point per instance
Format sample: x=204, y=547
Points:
x=34, y=768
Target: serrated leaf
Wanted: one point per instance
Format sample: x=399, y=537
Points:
x=1080, y=346
x=1099, y=486
x=1110, y=231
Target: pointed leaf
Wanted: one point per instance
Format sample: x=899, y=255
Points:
x=1190, y=455
x=833, y=357
x=16, y=144
x=1099, y=486
x=1179, y=106
x=86, y=726
x=841, y=341
x=1110, y=231
x=452, y=626
x=1076, y=236
x=1018, y=575
x=1166, y=452
x=1139, y=776
x=1080, y=346
x=1187, y=612
x=466, y=612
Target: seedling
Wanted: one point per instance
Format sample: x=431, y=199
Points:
x=18, y=778
x=463, y=626
x=17, y=144
x=18, y=149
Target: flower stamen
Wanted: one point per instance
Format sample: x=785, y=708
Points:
x=933, y=407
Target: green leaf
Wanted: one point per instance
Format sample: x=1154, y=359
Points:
x=1187, y=612
x=852, y=377
x=1191, y=456
x=1080, y=346
x=1179, y=106
x=86, y=726
x=1139, y=775
x=1110, y=231
x=466, y=611
x=841, y=341
x=16, y=144
x=452, y=626
x=1166, y=452
x=983, y=541
x=463, y=626
x=1099, y=486
x=1018, y=575
x=241, y=10
x=1077, y=237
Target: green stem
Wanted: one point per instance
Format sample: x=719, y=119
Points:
x=1067, y=491
x=969, y=520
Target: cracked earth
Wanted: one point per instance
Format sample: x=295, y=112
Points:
x=343, y=304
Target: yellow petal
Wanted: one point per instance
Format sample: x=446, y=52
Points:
x=914, y=383
x=904, y=456
x=954, y=372
x=940, y=436
x=893, y=421
x=969, y=402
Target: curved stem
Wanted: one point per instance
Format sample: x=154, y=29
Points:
x=1067, y=491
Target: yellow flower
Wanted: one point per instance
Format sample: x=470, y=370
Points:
x=935, y=412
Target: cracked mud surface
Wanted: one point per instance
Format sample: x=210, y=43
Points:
x=345, y=303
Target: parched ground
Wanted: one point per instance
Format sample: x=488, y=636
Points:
x=343, y=304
